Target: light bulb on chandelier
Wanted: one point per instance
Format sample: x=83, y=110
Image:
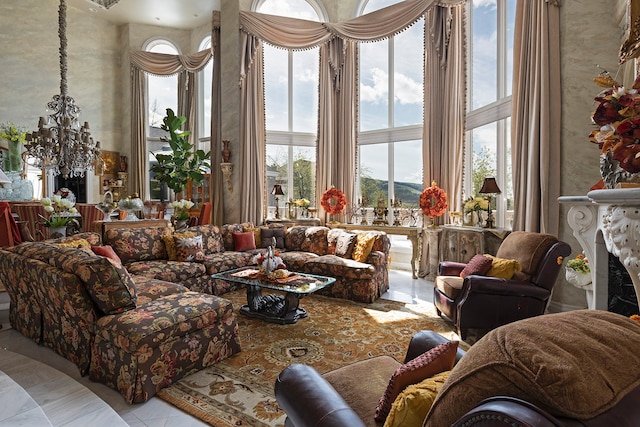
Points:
x=61, y=145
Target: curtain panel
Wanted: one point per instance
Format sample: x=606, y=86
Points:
x=217, y=180
x=536, y=116
x=338, y=94
x=160, y=64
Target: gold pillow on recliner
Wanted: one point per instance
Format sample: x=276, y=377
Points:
x=503, y=268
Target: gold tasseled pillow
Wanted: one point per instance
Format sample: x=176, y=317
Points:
x=170, y=243
x=364, y=244
x=503, y=268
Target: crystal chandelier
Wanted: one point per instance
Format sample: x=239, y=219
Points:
x=61, y=145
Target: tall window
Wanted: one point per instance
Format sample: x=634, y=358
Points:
x=489, y=102
x=162, y=93
x=291, y=108
x=391, y=112
x=204, y=100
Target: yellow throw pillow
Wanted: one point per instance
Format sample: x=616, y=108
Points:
x=364, y=244
x=413, y=404
x=503, y=268
x=170, y=243
x=78, y=243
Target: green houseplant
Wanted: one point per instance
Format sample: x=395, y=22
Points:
x=175, y=169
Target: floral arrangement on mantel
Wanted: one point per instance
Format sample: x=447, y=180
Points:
x=580, y=264
x=61, y=211
x=578, y=273
x=181, y=209
x=433, y=202
x=618, y=116
x=333, y=201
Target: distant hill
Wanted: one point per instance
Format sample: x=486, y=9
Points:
x=407, y=192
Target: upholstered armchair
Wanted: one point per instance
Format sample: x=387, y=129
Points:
x=492, y=291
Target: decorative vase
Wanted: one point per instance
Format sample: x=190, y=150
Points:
x=181, y=224
x=578, y=279
x=56, y=232
x=226, y=152
x=613, y=175
x=13, y=157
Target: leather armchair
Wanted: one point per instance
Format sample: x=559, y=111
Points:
x=482, y=302
x=312, y=400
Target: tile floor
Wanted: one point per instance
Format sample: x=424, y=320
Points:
x=68, y=399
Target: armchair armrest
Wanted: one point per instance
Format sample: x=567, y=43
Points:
x=450, y=268
x=424, y=341
x=309, y=400
x=504, y=410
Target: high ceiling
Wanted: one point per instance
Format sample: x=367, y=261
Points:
x=184, y=14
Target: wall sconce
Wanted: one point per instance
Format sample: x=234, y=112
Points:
x=226, y=166
x=277, y=191
x=489, y=186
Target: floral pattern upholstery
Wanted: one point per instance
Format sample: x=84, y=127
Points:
x=195, y=330
x=169, y=332
x=171, y=271
x=137, y=244
x=211, y=238
x=229, y=229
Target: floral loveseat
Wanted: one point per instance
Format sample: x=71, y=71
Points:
x=134, y=333
x=306, y=249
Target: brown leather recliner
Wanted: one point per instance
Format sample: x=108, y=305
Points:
x=483, y=302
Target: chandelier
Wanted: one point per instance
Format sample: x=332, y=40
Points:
x=61, y=145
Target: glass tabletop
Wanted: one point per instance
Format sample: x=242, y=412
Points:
x=298, y=283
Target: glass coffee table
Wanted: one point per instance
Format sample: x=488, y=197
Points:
x=275, y=308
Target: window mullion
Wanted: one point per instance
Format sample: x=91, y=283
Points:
x=391, y=117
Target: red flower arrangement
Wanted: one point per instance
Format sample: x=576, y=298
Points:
x=333, y=201
x=618, y=117
x=433, y=201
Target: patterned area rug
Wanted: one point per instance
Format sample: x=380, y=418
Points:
x=239, y=390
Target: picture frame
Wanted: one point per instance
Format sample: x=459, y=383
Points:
x=630, y=48
x=109, y=164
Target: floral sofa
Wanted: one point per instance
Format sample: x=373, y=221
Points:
x=134, y=333
x=306, y=249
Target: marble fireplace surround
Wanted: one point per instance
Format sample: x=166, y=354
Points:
x=607, y=221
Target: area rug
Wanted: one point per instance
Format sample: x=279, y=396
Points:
x=239, y=390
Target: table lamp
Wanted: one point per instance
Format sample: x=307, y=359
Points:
x=489, y=186
x=277, y=191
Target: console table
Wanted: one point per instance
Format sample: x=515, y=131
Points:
x=414, y=235
x=607, y=221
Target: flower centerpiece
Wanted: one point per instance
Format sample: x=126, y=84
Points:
x=476, y=205
x=333, y=201
x=181, y=213
x=304, y=205
x=617, y=116
x=433, y=202
x=16, y=137
x=61, y=211
x=131, y=205
x=271, y=264
x=577, y=272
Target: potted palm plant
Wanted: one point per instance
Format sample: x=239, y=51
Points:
x=183, y=164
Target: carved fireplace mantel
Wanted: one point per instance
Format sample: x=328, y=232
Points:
x=607, y=221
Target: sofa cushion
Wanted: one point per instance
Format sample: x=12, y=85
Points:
x=244, y=241
x=345, y=244
x=138, y=244
x=335, y=266
x=295, y=260
x=189, y=249
x=564, y=363
x=315, y=240
x=479, y=264
x=149, y=289
x=527, y=248
x=228, y=230
x=109, y=284
x=170, y=243
x=268, y=234
x=211, y=238
x=412, y=405
x=449, y=285
x=215, y=263
x=439, y=359
x=171, y=271
x=106, y=251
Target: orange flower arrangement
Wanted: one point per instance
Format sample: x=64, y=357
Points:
x=333, y=201
x=433, y=201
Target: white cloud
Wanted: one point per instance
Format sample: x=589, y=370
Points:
x=377, y=91
x=407, y=90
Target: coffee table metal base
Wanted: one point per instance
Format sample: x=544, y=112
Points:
x=273, y=308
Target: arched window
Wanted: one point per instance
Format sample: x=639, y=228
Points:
x=162, y=93
x=291, y=108
x=391, y=115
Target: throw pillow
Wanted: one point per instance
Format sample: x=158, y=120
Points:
x=244, y=241
x=503, y=268
x=170, y=244
x=479, y=264
x=268, y=234
x=412, y=405
x=78, y=243
x=106, y=251
x=439, y=359
x=257, y=235
x=189, y=249
x=345, y=243
x=364, y=244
